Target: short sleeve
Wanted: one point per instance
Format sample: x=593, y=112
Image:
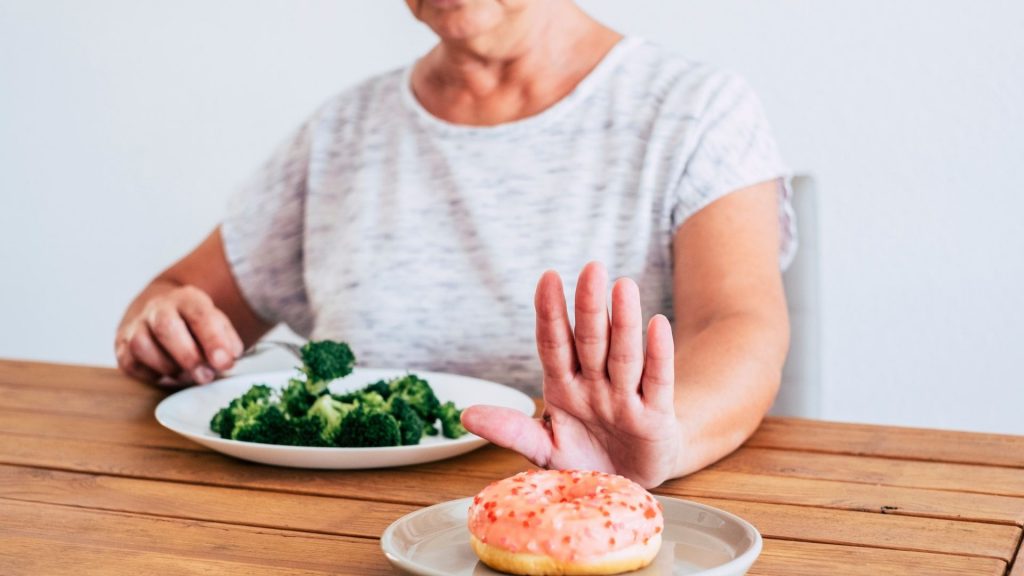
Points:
x=733, y=149
x=263, y=232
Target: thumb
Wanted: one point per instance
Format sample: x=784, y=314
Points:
x=510, y=429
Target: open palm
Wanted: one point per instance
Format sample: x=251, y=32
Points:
x=608, y=403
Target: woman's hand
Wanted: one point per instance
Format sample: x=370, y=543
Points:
x=178, y=334
x=608, y=403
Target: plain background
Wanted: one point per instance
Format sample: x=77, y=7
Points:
x=124, y=124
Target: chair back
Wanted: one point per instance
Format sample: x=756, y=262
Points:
x=800, y=393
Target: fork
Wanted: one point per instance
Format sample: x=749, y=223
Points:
x=265, y=345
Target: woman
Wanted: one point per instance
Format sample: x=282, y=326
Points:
x=411, y=214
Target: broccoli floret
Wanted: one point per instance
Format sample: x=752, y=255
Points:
x=380, y=387
x=296, y=400
x=410, y=425
x=451, y=423
x=418, y=394
x=308, y=431
x=326, y=360
x=224, y=420
x=368, y=428
x=363, y=397
x=263, y=423
x=330, y=412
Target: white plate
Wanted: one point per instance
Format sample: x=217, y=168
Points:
x=189, y=411
x=698, y=540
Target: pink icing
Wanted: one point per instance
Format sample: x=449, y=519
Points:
x=569, y=515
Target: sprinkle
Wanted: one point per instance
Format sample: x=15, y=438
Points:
x=611, y=541
x=565, y=539
x=650, y=513
x=657, y=529
x=608, y=524
x=526, y=524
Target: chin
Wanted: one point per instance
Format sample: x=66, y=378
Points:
x=461, y=19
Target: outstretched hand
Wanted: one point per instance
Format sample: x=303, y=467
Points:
x=608, y=402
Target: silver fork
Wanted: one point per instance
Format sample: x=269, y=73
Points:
x=263, y=346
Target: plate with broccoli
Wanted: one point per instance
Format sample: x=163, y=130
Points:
x=329, y=414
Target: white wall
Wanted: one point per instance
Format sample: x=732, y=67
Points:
x=124, y=124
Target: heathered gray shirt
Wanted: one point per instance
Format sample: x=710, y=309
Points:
x=420, y=242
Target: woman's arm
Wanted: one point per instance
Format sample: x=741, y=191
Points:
x=189, y=322
x=731, y=324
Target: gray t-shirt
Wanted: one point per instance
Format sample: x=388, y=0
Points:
x=420, y=242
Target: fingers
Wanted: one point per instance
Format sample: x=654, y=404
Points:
x=146, y=351
x=626, y=352
x=174, y=337
x=510, y=429
x=554, y=336
x=132, y=367
x=658, y=382
x=591, y=331
x=217, y=338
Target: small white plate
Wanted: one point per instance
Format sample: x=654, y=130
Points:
x=698, y=540
x=189, y=411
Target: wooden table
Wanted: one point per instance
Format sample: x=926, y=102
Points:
x=91, y=484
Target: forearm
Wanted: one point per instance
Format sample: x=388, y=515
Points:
x=727, y=376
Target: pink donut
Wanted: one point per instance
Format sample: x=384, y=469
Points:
x=565, y=522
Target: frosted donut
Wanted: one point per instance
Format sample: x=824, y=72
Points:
x=565, y=522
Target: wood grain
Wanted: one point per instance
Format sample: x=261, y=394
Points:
x=319, y=514
x=849, y=496
x=869, y=470
x=139, y=432
x=890, y=442
x=91, y=484
x=70, y=377
x=22, y=556
x=399, y=485
x=96, y=404
x=190, y=539
x=1017, y=569
x=874, y=530
x=369, y=519
x=785, y=558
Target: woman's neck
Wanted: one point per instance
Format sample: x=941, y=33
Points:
x=514, y=72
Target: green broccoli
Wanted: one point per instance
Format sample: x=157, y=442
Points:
x=410, y=425
x=363, y=428
x=400, y=411
x=330, y=412
x=308, y=431
x=324, y=361
x=224, y=420
x=296, y=400
x=418, y=394
x=451, y=422
x=263, y=423
x=380, y=387
x=364, y=397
